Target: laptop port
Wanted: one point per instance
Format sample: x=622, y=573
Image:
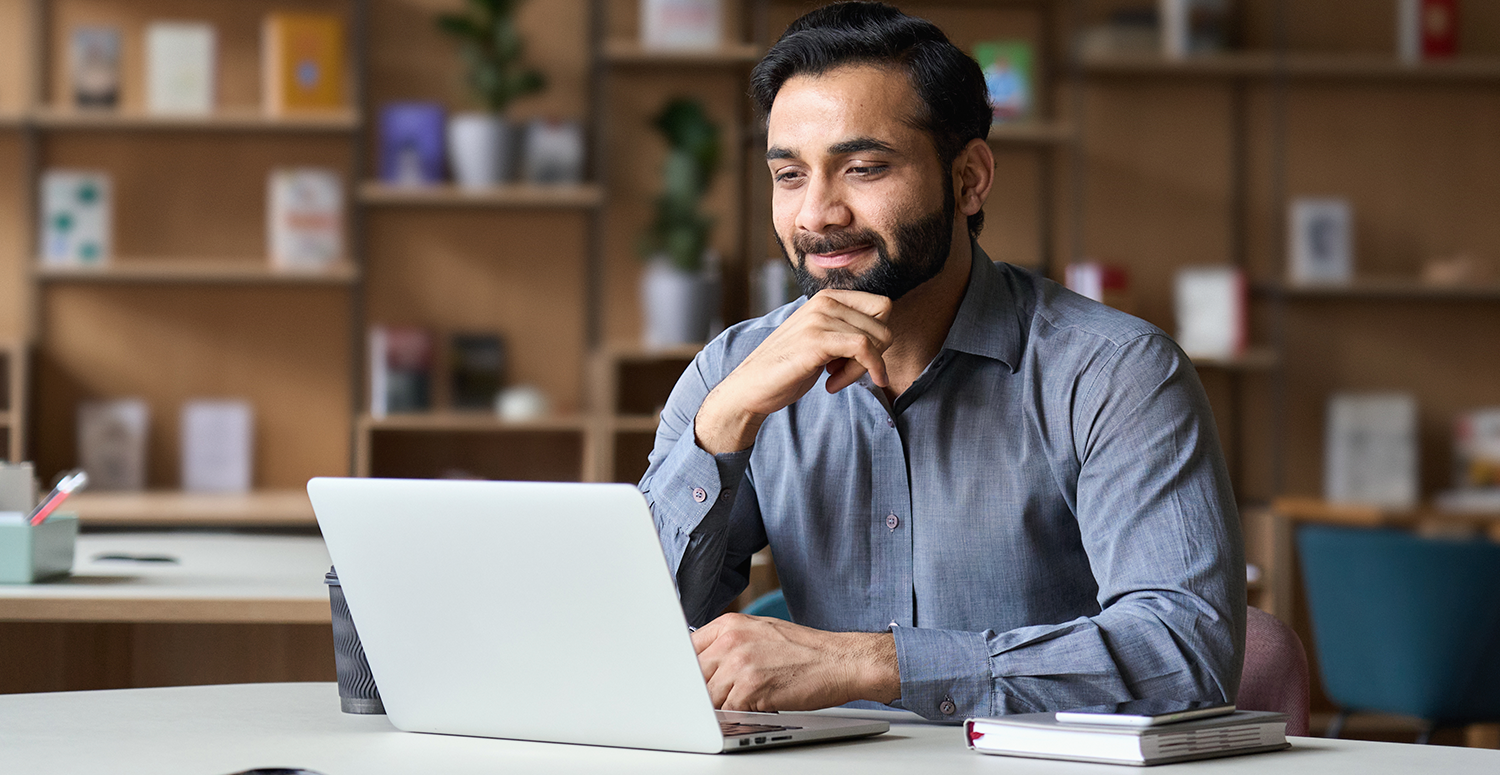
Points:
x=783, y=737
x=759, y=740
x=746, y=741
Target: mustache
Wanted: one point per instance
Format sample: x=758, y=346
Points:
x=835, y=242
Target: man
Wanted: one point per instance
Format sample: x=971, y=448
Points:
x=984, y=494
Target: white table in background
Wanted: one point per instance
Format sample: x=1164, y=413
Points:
x=213, y=730
x=217, y=579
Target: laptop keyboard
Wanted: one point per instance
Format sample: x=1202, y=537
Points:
x=735, y=729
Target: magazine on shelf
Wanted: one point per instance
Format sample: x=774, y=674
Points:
x=180, y=71
x=94, y=62
x=303, y=61
x=77, y=221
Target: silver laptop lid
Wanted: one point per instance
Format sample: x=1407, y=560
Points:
x=523, y=610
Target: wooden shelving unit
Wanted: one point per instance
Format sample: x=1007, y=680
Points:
x=631, y=53
x=1299, y=66
x=1253, y=359
x=197, y=272
x=13, y=382
x=1388, y=289
x=468, y=446
x=517, y=196
x=264, y=508
x=243, y=120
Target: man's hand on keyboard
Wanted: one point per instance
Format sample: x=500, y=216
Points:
x=759, y=664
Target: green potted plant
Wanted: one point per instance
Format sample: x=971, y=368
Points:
x=676, y=291
x=491, y=48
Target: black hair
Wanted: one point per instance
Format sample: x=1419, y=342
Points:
x=947, y=81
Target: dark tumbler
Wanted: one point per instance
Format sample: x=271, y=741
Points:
x=357, y=690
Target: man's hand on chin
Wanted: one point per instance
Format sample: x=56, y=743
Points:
x=760, y=664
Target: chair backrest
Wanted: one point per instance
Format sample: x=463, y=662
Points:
x=772, y=604
x=1275, y=675
x=1404, y=623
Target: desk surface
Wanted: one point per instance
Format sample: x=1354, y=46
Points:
x=218, y=579
x=210, y=730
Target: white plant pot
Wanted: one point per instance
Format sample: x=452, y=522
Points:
x=675, y=304
x=479, y=149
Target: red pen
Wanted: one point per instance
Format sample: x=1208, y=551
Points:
x=64, y=488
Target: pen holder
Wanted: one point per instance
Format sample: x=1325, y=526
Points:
x=32, y=553
x=357, y=690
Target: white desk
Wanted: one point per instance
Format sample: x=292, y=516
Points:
x=218, y=579
x=212, y=730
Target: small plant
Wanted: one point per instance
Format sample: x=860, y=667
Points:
x=491, y=48
x=680, y=231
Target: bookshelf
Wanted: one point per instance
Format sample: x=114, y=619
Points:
x=13, y=384
x=520, y=195
x=189, y=306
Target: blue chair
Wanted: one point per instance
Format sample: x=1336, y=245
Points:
x=1404, y=624
x=772, y=604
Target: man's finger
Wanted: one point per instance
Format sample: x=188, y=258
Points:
x=874, y=305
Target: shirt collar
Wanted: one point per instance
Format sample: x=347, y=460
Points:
x=988, y=323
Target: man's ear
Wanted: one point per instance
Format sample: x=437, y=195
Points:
x=973, y=174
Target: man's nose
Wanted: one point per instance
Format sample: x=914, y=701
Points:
x=823, y=207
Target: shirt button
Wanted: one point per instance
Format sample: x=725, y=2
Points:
x=891, y=521
x=890, y=423
x=948, y=708
x=700, y=494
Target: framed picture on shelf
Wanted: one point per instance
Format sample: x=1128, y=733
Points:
x=1320, y=237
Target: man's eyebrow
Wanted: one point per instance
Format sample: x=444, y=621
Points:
x=777, y=152
x=859, y=145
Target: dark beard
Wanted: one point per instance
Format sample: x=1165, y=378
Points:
x=922, y=248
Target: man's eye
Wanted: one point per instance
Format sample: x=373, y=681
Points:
x=789, y=176
x=867, y=170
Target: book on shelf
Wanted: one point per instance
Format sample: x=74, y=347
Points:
x=1370, y=450
x=1042, y=736
x=1007, y=68
x=400, y=370
x=112, y=443
x=681, y=24
x=412, y=144
x=1320, y=240
x=180, y=68
x=304, y=59
x=94, y=66
x=1426, y=29
x=1129, y=31
x=1191, y=27
x=217, y=445
x=1104, y=283
x=1476, y=449
x=476, y=370
x=77, y=222
x=305, y=218
x=1212, y=305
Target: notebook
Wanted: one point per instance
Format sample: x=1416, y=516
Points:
x=1044, y=736
x=531, y=611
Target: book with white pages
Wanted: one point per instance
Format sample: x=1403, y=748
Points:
x=1042, y=736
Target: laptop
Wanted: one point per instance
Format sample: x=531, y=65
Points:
x=531, y=611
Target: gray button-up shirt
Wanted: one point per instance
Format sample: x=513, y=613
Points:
x=1043, y=519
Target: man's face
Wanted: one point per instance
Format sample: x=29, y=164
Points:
x=860, y=200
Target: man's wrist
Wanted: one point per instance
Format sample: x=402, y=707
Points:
x=878, y=675
x=721, y=426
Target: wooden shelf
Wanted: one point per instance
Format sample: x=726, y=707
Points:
x=631, y=53
x=560, y=196
x=630, y=423
x=1305, y=509
x=1253, y=359
x=469, y=423
x=273, y=508
x=1264, y=64
x=1031, y=133
x=1378, y=288
x=197, y=271
x=229, y=120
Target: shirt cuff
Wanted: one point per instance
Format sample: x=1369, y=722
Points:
x=695, y=484
x=945, y=674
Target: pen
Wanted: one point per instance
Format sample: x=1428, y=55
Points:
x=73, y=481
